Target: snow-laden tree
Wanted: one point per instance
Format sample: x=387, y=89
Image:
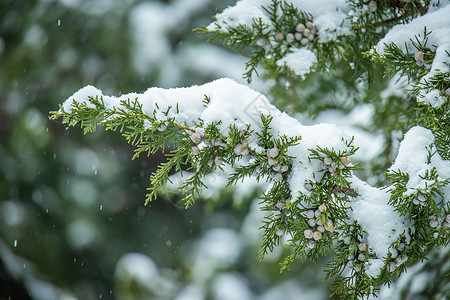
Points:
x=390, y=57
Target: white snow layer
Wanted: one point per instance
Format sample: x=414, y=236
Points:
x=379, y=219
x=300, y=61
x=437, y=24
x=235, y=104
x=413, y=160
x=329, y=16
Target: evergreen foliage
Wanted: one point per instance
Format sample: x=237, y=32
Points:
x=321, y=217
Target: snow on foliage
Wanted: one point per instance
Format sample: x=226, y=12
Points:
x=313, y=199
x=434, y=28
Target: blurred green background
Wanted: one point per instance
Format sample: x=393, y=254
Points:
x=72, y=220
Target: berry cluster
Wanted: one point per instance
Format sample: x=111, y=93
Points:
x=280, y=211
x=318, y=225
x=398, y=255
x=241, y=148
x=437, y=223
x=330, y=165
x=301, y=36
x=418, y=56
x=278, y=168
x=419, y=200
x=358, y=255
x=196, y=138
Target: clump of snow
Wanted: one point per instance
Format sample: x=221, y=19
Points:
x=300, y=61
x=373, y=267
x=379, y=219
x=82, y=95
x=433, y=98
x=413, y=159
x=437, y=24
x=243, y=13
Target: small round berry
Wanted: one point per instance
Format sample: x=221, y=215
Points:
x=351, y=257
x=260, y=42
x=362, y=247
x=321, y=229
x=447, y=218
x=323, y=165
x=244, y=143
x=322, y=208
x=298, y=36
x=277, y=177
x=418, y=55
x=276, y=168
x=317, y=213
x=332, y=170
x=284, y=168
x=308, y=234
x=310, y=244
x=304, y=41
x=446, y=225
x=277, y=214
x=308, y=186
x=447, y=92
x=434, y=223
x=327, y=160
x=310, y=214
x=310, y=37
x=196, y=137
x=195, y=150
x=372, y=6
x=362, y=257
x=346, y=160
x=273, y=152
x=319, y=222
x=218, y=161
x=306, y=32
x=300, y=27
x=238, y=149
x=420, y=62
x=290, y=37
x=329, y=226
x=280, y=205
x=392, y=267
x=421, y=198
x=311, y=222
x=317, y=235
x=267, y=47
x=280, y=232
x=245, y=151
x=279, y=36
x=309, y=25
x=416, y=201
x=271, y=161
x=400, y=260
